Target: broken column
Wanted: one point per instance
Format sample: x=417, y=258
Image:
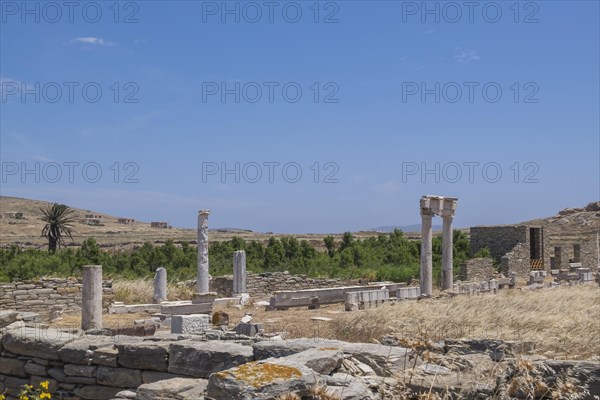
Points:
x=425, y=281
x=239, y=272
x=91, y=297
x=160, y=286
x=447, y=244
x=202, y=282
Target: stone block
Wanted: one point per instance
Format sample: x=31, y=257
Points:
x=12, y=366
x=248, y=329
x=121, y=377
x=174, y=388
x=106, y=356
x=96, y=392
x=191, y=324
x=37, y=342
x=408, y=292
x=186, y=309
x=149, y=356
x=200, y=359
x=87, y=371
x=32, y=368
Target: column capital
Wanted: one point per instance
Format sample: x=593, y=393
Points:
x=426, y=214
x=204, y=212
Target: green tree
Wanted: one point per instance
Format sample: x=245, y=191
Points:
x=329, y=245
x=59, y=219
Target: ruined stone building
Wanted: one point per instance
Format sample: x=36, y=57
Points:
x=549, y=245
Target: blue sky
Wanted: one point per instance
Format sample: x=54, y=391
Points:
x=369, y=122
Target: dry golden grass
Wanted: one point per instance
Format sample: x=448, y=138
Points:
x=561, y=322
x=140, y=291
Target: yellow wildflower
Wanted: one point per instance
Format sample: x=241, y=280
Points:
x=44, y=385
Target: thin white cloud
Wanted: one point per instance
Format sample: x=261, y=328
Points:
x=389, y=187
x=465, y=56
x=92, y=40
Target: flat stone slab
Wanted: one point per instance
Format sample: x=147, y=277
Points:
x=174, y=388
x=201, y=359
x=190, y=324
x=133, y=308
x=37, y=342
x=186, y=309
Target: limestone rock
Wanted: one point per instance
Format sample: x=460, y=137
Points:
x=7, y=317
x=37, y=342
x=174, y=388
x=12, y=366
x=282, y=348
x=220, y=318
x=200, y=359
x=262, y=380
x=80, y=370
x=348, y=387
x=323, y=360
x=95, y=392
x=121, y=377
x=149, y=356
x=384, y=360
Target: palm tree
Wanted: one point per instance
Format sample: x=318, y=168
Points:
x=58, y=219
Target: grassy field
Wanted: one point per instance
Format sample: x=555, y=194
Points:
x=561, y=322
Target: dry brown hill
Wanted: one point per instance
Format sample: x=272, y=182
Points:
x=26, y=231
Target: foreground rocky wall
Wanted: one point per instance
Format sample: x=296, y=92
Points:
x=197, y=367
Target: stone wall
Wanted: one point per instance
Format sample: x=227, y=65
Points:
x=499, y=239
x=477, y=269
x=40, y=295
x=267, y=283
x=564, y=240
x=517, y=261
x=98, y=367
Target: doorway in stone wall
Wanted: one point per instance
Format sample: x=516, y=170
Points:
x=536, y=261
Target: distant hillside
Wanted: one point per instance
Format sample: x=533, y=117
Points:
x=111, y=233
x=404, y=228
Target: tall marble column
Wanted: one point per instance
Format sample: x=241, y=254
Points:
x=202, y=282
x=425, y=280
x=239, y=272
x=160, y=285
x=447, y=250
x=91, y=297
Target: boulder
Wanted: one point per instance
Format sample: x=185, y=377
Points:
x=174, y=388
x=153, y=376
x=7, y=317
x=384, y=360
x=200, y=359
x=262, y=380
x=322, y=360
x=348, y=387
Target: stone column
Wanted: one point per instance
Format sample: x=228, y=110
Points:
x=239, y=272
x=202, y=283
x=447, y=252
x=160, y=286
x=91, y=297
x=425, y=281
